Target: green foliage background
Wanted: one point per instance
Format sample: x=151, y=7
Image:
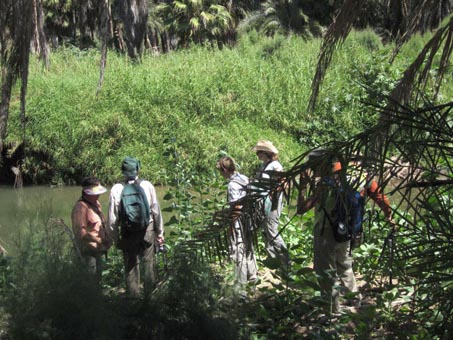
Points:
x=192, y=104
x=177, y=112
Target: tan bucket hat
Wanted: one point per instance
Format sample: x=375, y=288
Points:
x=266, y=146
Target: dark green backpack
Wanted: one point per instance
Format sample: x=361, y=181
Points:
x=134, y=208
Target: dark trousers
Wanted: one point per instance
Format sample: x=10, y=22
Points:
x=137, y=260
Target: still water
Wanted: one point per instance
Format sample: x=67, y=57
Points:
x=34, y=205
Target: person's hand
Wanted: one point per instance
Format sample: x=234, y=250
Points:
x=393, y=224
x=160, y=240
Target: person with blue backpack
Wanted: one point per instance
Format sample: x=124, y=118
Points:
x=338, y=196
x=136, y=225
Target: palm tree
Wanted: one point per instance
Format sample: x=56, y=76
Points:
x=284, y=16
x=196, y=20
x=134, y=15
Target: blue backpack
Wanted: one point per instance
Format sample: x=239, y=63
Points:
x=134, y=208
x=348, y=213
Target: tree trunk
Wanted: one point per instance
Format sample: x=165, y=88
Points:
x=40, y=41
x=134, y=15
x=165, y=40
x=154, y=42
x=7, y=84
x=104, y=29
x=397, y=17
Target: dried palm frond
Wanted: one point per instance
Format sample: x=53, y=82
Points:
x=416, y=76
x=415, y=160
x=342, y=25
x=337, y=33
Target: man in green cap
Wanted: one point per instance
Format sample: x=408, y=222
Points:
x=136, y=224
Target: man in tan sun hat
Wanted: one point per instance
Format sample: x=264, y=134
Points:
x=275, y=246
x=88, y=225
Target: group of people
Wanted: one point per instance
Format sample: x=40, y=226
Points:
x=332, y=263
x=94, y=234
x=242, y=252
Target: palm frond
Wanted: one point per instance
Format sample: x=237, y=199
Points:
x=415, y=156
x=337, y=33
x=416, y=75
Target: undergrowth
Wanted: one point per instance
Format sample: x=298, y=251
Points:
x=196, y=102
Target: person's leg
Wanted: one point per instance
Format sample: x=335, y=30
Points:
x=240, y=263
x=345, y=270
x=275, y=246
x=252, y=267
x=99, y=267
x=90, y=263
x=149, y=265
x=132, y=272
x=325, y=266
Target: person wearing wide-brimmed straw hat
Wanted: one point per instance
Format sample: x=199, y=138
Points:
x=276, y=248
x=89, y=226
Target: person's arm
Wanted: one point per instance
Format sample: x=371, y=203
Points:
x=305, y=200
x=156, y=214
x=375, y=193
x=113, y=216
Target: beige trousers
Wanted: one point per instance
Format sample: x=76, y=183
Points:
x=333, y=265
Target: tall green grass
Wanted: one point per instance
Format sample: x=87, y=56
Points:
x=195, y=103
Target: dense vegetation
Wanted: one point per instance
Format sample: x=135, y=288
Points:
x=193, y=104
x=177, y=112
x=220, y=92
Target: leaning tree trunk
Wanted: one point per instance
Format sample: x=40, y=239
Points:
x=134, y=15
x=16, y=32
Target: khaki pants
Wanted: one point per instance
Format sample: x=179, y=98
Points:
x=93, y=262
x=275, y=246
x=333, y=265
x=244, y=260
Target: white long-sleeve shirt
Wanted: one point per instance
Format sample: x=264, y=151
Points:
x=114, y=203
